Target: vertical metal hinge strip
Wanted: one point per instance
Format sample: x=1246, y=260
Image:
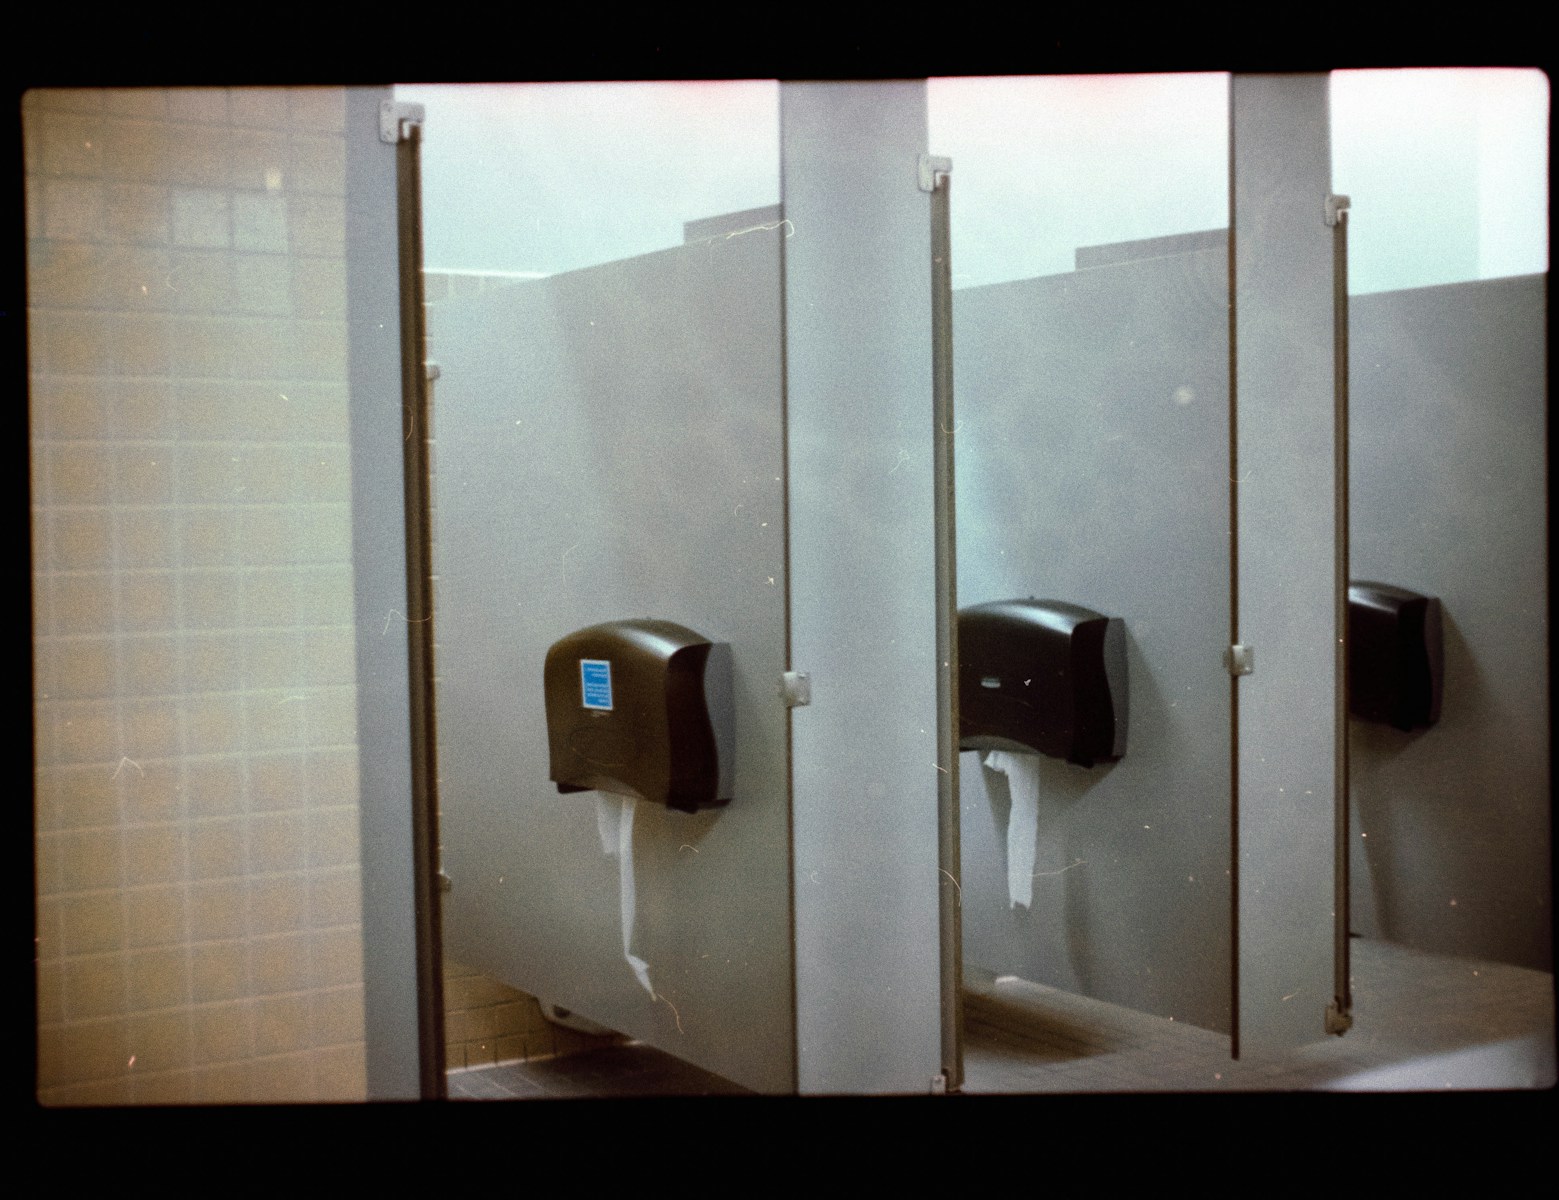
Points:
x=395, y=116
x=932, y=171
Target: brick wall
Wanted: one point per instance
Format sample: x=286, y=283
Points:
x=196, y=786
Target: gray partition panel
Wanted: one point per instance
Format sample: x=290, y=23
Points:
x=1449, y=498
x=1286, y=587
x=610, y=446
x=1092, y=468
x=389, y=865
x=859, y=378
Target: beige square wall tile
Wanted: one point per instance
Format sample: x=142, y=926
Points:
x=145, y=474
x=333, y=778
x=163, y=1088
x=215, y=786
x=146, y=601
x=218, y=971
x=222, y=1032
x=338, y=957
x=216, y=849
x=92, y=924
x=218, y=910
x=82, y=860
x=81, y=473
x=95, y=987
x=77, y=798
x=79, y=541
x=78, y=733
x=154, y=854
x=151, y=729
x=51, y=992
x=80, y=1053
x=74, y=209
x=277, y=905
x=225, y=1083
x=276, y=782
x=287, y=1079
x=154, y=917
x=264, y=107
x=317, y=108
x=282, y=1024
x=159, y=978
x=258, y=159
x=277, y=842
x=147, y=538
x=335, y=897
x=279, y=963
x=82, y=603
x=338, y=1016
x=138, y=212
x=150, y=668
x=153, y=791
x=77, y=669
x=341, y=1074
x=213, y=724
x=159, y=1041
x=333, y=837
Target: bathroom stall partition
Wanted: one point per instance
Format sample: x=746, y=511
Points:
x=644, y=424
x=1147, y=428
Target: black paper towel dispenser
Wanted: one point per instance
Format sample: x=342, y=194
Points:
x=1042, y=675
x=1396, y=656
x=642, y=708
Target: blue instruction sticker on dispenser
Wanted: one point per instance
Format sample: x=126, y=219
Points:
x=595, y=675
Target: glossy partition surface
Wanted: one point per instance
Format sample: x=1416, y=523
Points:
x=1451, y=828
x=1091, y=348
x=610, y=447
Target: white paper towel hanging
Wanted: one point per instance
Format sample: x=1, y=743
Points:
x=614, y=822
x=1022, y=772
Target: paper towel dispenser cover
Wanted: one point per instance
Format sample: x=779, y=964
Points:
x=642, y=708
x=1396, y=656
x=1042, y=675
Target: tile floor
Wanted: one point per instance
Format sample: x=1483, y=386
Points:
x=631, y=1069
x=1422, y=1022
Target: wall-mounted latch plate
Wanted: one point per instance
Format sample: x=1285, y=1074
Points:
x=394, y=116
x=796, y=689
x=1338, y=1019
x=933, y=170
x=1334, y=207
x=939, y=1084
x=1239, y=660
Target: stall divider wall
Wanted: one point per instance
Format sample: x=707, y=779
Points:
x=1451, y=824
x=858, y=313
x=1093, y=463
x=1285, y=525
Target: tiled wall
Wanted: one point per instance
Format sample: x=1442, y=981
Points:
x=486, y=1021
x=196, y=784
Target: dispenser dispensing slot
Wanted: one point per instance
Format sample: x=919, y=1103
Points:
x=1396, y=655
x=1045, y=676
x=642, y=708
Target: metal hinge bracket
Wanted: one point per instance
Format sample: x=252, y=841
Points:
x=933, y=170
x=430, y=370
x=796, y=689
x=395, y=116
x=1239, y=660
x=1334, y=208
x=445, y=883
x=1338, y=1019
x=939, y=1084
